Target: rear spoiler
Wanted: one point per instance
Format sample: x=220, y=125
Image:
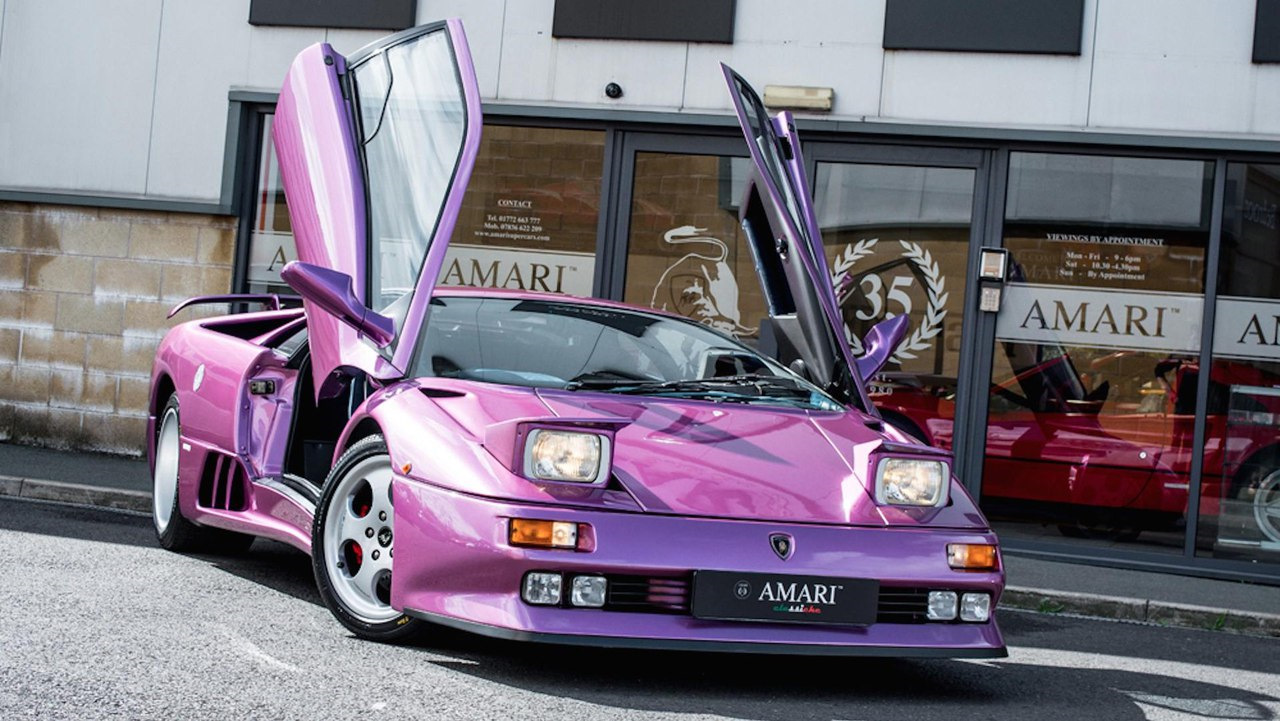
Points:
x=273, y=301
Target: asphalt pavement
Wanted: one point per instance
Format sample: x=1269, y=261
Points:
x=101, y=623
x=1049, y=587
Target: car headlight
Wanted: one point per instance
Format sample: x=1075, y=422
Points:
x=911, y=482
x=573, y=456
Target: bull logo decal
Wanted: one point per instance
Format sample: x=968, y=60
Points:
x=700, y=285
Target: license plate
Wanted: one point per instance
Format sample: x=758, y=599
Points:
x=725, y=595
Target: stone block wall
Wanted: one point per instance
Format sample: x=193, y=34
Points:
x=83, y=298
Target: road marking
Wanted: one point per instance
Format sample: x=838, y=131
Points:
x=250, y=649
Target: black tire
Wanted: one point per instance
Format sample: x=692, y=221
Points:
x=327, y=554
x=176, y=533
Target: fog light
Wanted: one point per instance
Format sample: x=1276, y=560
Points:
x=972, y=557
x=543, y=534
x=542, y=589
x=975, y=607
x=588, y=591
x=942, y=606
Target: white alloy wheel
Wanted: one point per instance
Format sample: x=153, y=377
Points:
x=164, y=489
x=358, y=540
x=1266, y=506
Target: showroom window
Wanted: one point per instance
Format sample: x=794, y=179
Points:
x=528, y=221
x=1093, y=396
x=685, y=250
x=1240, y=493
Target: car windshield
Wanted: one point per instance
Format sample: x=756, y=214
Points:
x=579, y=347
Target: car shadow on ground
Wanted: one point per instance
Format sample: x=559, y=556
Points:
x=266, y=563
x=274, y=565
x=76, y=522
x=747, y=686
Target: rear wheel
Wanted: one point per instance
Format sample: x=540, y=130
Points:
x=173, y=530
x=352, y=542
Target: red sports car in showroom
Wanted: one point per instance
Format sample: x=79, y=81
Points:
x=1059, y=447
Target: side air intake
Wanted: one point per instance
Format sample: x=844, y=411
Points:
x=223, y=484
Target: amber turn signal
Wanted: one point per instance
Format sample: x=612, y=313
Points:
x=973, y=557
x=543, y=534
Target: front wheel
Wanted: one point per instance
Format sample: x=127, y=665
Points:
x=352, y=542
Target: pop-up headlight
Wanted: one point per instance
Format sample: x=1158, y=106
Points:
x=560, y=455
x=912, y=482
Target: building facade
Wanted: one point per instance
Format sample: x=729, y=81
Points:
x=1074, y=202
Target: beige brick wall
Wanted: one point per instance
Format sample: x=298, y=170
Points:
x=83, y=298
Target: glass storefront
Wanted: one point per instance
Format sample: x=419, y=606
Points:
x=897, y=240
x=1092, y=399
x=1089, y=370
x=528, y=221
x=1240, y=495
x=685, y=250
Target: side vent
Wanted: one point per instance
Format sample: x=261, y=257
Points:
x=223, y=484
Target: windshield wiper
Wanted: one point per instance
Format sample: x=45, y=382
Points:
x=760, y=383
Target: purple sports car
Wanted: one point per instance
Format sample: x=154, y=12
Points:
x=551, y=468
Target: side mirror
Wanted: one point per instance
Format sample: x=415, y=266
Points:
x=879, y=344
x=334, y=293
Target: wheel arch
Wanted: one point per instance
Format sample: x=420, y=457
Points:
x=162, y=388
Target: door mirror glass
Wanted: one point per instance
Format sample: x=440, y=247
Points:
x=879, y=344
x=332, y=291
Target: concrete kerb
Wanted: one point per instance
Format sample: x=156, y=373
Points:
x=1028, y=599
x=76, y=493
x=1159, y=613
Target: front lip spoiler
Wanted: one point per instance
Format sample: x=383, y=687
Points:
x=662, y=644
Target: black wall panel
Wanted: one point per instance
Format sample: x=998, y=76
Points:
x=1266, y=32
x=699, y=21
x=992, y=26
x=356, y=14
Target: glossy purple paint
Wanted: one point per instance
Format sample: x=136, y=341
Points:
x=695, y=485
x=881, y=341
x=332, y=292
x=324, y=187
x=470, y=572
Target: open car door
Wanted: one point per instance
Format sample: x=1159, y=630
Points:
x=375, y=155
x=782, y=229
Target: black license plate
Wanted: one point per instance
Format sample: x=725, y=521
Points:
x=725, y=595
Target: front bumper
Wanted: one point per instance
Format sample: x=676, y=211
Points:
x=455, y=567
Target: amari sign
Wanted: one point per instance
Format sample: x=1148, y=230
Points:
x=1247, y=328
x=1122, y=319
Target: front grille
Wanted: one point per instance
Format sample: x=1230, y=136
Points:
x=646, y=594
x=902, y=605
x=652, y=594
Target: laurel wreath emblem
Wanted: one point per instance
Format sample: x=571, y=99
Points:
x=935, y=286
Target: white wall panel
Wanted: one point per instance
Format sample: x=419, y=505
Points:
x=271, y=50
x=1266, y=100
x=1180, y=65
x=75, y=94
x=483, y=20
x=203, y=53
x=832, y=43
x=985, y=88
x=528, y=51
x=651, y=73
